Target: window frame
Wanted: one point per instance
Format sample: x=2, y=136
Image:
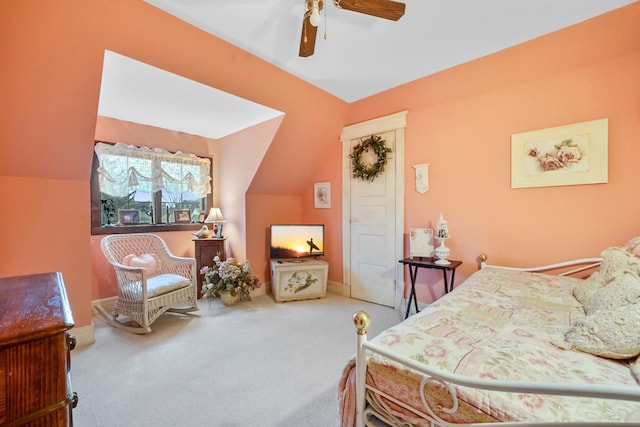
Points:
x=96, y=209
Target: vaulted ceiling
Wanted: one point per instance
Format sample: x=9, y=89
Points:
x=361, y=55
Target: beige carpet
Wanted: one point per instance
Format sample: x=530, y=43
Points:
x=255, y=364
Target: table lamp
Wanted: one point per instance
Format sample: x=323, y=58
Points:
x=215, y=217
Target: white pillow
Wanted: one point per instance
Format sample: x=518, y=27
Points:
x=633, y=246
x=147, y=261
x=614, y=259
x=622, y=290
x=611, y=300
x=614, y=334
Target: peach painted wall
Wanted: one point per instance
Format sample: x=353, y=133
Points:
x=461, y=120
x=113, y=130
x=329, y=171
x=50, y=80
x=263, y=210
x=39, y=234
x=103, y=278
x=241, y=155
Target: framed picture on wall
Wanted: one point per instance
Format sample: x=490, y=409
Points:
x=322, y=195
x=573, y=154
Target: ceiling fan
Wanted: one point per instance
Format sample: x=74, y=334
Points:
x=386, y=9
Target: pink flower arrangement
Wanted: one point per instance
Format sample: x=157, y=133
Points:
x=229, y=276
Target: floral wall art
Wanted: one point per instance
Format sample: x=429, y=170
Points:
x=565, y=155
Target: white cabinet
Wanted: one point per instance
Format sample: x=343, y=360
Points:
x=299, y=279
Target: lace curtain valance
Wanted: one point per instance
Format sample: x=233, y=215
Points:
x=126, y=168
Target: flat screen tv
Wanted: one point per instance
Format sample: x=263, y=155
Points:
x=296, y=241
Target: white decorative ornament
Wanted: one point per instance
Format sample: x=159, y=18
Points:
x=442, y=234
x=422, y=177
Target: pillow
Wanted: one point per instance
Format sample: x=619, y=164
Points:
x=614, y=259
x=621, y=290
x=634, y=365
x=633, y=246
x=611, y=300
x=147, y=261
x=614, y=334
x=589, y=286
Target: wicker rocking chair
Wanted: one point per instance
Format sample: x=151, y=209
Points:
x=151, y=280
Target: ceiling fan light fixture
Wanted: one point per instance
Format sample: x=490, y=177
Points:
x=314, y=18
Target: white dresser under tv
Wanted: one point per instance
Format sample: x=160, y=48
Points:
x=294, y=280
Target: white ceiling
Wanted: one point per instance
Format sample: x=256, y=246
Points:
x=137, y=92
x=362, y=55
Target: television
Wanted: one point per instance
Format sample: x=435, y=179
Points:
x=296, y=241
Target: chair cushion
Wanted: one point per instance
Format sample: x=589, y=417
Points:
x=147, y=261
x=163, y=283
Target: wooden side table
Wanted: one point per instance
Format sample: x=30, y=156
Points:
x=418, y=262
x=206, y=250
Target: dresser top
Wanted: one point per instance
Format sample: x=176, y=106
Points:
x=33, y=306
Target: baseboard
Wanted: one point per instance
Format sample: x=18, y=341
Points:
x=85, y=335
x=338, y=288
x=109, y=304
x=262, y=290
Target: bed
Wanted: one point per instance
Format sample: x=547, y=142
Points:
x=510, y=346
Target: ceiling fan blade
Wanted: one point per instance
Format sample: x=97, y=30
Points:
x=307, y=38
x=386, y=9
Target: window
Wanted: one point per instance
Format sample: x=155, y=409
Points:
x=147, y=189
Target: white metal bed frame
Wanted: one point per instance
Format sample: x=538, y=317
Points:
x=361, y=320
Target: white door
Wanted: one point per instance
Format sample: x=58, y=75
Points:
x=373, y=216
x=373, y=254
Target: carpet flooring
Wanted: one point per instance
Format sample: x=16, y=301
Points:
x=258, y=363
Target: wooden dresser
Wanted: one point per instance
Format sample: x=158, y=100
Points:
x=205, y=250
x=35, y=386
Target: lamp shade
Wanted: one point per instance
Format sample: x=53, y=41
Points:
x=215, y=216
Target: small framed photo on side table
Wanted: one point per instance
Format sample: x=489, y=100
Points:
x=421, y=242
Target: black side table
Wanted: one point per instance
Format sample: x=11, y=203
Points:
x=419, y=262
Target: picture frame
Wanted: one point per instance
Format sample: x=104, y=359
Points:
x=422, y=177
x=322, y=195
x=128, y=216
x=182, y=215
x=573, y=154
x=421, y=242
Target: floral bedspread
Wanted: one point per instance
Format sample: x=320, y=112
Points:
x=502, y=324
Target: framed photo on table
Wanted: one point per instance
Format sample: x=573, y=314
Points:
x=128, y=216
x=182, y=215
x=421, y=242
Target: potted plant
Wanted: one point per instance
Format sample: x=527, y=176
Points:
x=230, y=280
